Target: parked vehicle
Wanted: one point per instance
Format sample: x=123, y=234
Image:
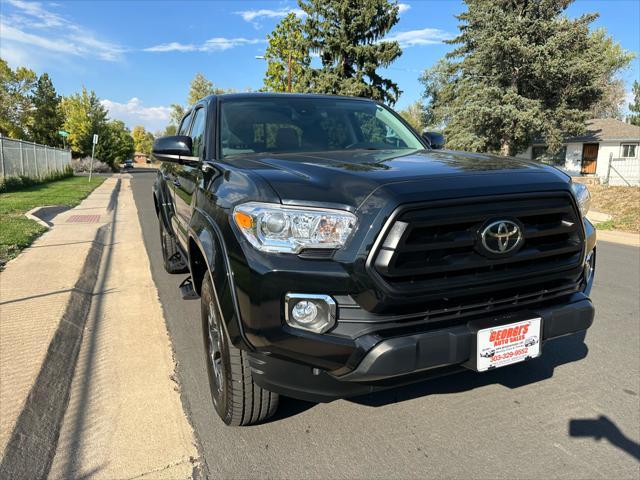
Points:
x=336, y=254
x=127, y=164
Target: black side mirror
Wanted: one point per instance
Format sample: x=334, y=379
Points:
x=435, y=139
x=176, y=148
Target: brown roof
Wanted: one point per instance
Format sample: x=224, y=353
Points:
x=603, y=129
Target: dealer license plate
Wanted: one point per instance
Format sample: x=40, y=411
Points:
x=506, y=344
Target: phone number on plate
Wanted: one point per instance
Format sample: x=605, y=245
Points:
x=511, y=354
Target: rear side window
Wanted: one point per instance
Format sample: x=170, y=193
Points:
x=184, y=125
x=197, y=131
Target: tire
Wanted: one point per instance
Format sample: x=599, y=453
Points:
x=173, y=261
x=236, y=397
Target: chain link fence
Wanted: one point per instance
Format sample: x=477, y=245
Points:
x=623, y=172
x=27, y=159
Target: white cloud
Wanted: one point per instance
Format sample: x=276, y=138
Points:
x=31, y=29
x=425, y=36
x=403, y=7
x=211, y=45
x=253, y=16
x=35, y=11
x=133, y=113
x=171, y=47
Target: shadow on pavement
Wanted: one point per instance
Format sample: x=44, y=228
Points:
x=555, y=353
x=603, y=427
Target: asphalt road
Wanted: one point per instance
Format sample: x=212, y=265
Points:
x=573, y=413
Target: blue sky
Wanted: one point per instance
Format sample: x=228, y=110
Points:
x=139, y=56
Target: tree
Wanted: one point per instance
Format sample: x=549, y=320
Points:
x=84, y=115
x=47, y=116
x=201, y=87
x=521, y=70
x=348, y=37
x=414, y=115
x=115, y=144
x=287, y=56
x=169, y=130
x=611, y=103
x=142, y=140
x=634, y=107
x=16, y=105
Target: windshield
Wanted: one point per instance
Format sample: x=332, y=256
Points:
x=295, y=124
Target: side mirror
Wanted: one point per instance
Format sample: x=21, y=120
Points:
x=435, y=139
x=176, y=148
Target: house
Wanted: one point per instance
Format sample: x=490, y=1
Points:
x=609, y=150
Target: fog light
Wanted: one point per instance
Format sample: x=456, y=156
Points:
x=315, y=313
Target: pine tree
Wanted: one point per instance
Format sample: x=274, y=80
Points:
x=348, y=37
x=287, y=56
x=521, y=69
x=47, y=116
x=634, y=107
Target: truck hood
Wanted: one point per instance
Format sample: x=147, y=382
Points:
x=347, y=178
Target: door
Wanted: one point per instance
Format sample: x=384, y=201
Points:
x=589, y=158
x=186, y=180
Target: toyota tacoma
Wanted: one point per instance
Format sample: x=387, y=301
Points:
x=337, y=252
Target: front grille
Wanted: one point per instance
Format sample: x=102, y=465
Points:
x=433, y=250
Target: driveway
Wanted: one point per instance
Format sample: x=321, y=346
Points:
x=573, y=413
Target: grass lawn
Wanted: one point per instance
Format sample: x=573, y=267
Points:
x=18, y=232
x=622, y=203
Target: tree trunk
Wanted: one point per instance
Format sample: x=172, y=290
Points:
x=505, y=147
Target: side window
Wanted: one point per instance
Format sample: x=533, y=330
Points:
x=184, y=125
x=197, y=131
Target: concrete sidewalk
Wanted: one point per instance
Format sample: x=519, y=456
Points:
x=124, y=416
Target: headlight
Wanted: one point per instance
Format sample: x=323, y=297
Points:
x=277, y=228
x=583, y=197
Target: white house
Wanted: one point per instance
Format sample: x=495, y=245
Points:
x=609, y=150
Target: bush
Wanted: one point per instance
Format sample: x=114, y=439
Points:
x=82, y=165
x=12, y=184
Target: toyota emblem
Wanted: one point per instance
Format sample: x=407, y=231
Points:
x=501, y=237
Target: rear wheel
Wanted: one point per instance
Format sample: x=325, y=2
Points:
x=173, y=261
x=236, y=397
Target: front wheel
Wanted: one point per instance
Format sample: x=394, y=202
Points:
x=236, y=397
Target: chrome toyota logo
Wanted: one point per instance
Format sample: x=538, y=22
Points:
x=501, y=237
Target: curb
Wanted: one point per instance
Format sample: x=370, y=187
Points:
x=619, y=237
x=32, y=445
x=31, y=215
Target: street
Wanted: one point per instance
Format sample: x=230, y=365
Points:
x=573, y=413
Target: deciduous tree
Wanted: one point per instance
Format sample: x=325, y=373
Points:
x=142, y=140
x=16, y=106
x=414, y=115
x=84, y=115
x=115, y=144
x=348, y=36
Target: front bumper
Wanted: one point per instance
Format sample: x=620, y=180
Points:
x=406, y=359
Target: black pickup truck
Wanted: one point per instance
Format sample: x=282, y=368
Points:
x=336, y=253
